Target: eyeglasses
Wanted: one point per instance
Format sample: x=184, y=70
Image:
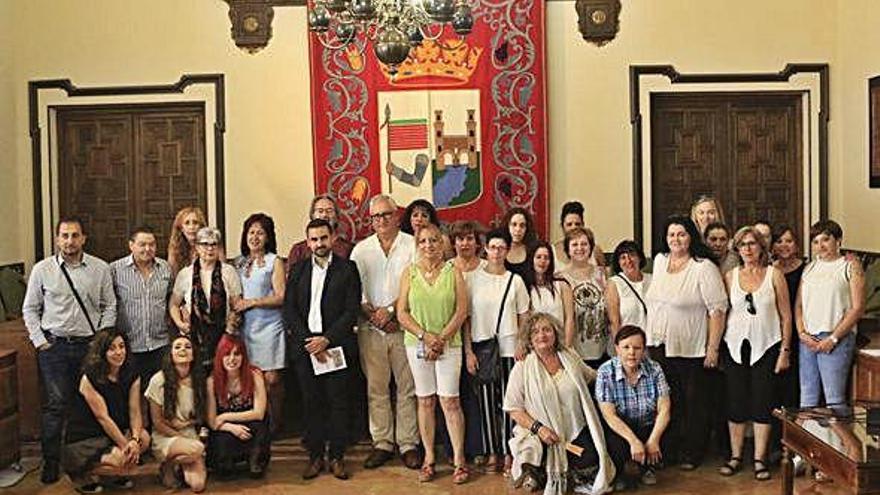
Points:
x=208, y=244
x=750, y=304
x=385, y=215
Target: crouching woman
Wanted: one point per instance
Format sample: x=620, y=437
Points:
x=105, y=430
x=558, y=436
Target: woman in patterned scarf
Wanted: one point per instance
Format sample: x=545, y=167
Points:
x=207, y=289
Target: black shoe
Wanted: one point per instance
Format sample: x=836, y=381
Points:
x=313, y=468
x=337, y=467
x=377, y=458
x=49, y=474
x=412, y=459
x=90, y=488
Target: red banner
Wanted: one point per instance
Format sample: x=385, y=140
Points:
x=462, y=124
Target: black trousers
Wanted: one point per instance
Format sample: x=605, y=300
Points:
x=326, y=407
x=690, y=396
x=618, y=447
x=147, y=363
x=225, y=449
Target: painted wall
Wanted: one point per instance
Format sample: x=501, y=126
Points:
x=858, y=60
x=268, y=140
x=10, y=229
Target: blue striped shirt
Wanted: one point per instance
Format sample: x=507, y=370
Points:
x=142, y=302
x=635, y=403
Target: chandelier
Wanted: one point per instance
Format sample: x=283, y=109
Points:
x=393, y=26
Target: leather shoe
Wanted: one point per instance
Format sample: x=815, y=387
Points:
x=412, y=459
x=377, y=458
x=337, y=467
x=313, y=469
x=49, y=474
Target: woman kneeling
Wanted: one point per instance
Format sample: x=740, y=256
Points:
x=105, y=430
x=558, y=436
x=177, y=404
x=237, y=411
x=634, y=399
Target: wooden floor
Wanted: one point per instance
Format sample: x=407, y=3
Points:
x=284, y=478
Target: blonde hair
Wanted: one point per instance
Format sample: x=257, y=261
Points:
x=705, y=198
x=764, y=259
x=180, y=251
x=525, y=333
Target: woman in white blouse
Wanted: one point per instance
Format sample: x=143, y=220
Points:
x=625, y=295
x=829, y=303
x=548, y=293
x=686, y=307
x=757, y=336
x=495, y=291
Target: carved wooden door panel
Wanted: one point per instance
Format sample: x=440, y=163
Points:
x=170, y=167
x=744, y=149
x=120, y=167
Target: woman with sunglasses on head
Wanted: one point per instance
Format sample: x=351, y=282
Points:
x=206, y=290
x=757, y=336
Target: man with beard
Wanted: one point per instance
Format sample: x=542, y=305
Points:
x=321, y=305
x=69, y=297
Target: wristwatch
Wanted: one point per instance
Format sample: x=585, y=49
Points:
x=390, y=309
x=833, y=339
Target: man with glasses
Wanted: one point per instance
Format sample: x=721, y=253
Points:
x=381, y=259
x=323, y=207
x=69, y=297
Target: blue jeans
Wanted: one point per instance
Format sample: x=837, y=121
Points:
x=60, y=370
x=820, y=372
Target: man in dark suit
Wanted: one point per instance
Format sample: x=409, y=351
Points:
x=321, y=305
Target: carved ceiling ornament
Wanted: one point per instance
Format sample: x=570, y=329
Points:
x=598, y=20
x=252, y=21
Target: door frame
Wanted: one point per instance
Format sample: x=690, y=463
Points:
x=810, y=79
x=44, y=95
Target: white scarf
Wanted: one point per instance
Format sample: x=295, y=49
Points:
x=543, y=404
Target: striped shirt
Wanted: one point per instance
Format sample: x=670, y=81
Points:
x=142, y=303
x=635, y=403
x=49, y=304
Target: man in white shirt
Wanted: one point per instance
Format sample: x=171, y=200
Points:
x=381, y=259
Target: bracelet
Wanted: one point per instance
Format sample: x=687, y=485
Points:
x=833, y=339
x=535, y=427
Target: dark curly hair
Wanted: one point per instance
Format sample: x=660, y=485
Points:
x=624, y=247
x=268, y=225
x=424, y=204
x=95, y=365
x=172, y=383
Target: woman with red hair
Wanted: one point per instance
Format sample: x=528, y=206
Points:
x=237, y=411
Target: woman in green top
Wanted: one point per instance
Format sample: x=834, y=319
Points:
x=432, y=307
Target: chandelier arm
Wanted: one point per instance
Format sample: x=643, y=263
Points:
x=328, y=44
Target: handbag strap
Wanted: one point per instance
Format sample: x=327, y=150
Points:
x=634, y=291
x=503, y=300
x=76, y=295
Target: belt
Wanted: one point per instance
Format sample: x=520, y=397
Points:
x=69, y=339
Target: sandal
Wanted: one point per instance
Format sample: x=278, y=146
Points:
x=427, y=473
x=460, y=475
x=731, y=467
x=761, y=471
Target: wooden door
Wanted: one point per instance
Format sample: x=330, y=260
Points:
x=125, y=166
x=743, y=148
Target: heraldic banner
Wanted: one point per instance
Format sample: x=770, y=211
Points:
x=462, y=124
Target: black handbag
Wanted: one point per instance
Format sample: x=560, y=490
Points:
x=487, y=351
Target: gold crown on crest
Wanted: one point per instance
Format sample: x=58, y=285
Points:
x=453, y=62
